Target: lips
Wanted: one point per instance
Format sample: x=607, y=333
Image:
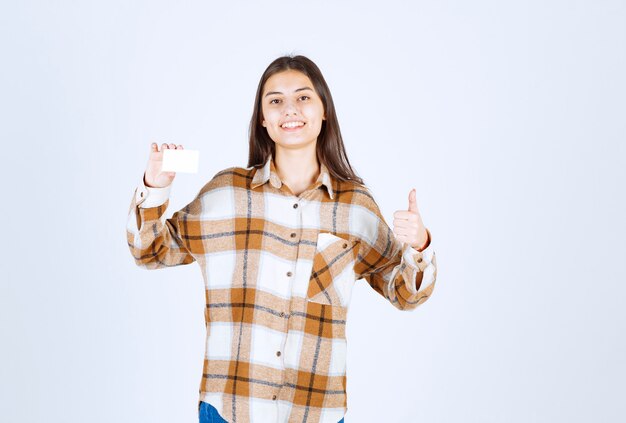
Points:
x=293, y=129
x=297, y=121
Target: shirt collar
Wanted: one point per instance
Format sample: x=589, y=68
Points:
x=268, y=173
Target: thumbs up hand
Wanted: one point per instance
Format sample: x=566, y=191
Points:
x=408, y=226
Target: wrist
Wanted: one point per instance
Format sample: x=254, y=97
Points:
x=426, y=243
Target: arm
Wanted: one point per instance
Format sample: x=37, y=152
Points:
x=156, y=242
x=400, y=273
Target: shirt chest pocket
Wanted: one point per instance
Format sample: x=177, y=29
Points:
x=332, y=276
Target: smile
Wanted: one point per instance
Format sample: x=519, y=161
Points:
x=292, y=126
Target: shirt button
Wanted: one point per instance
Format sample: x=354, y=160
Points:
x=273, y=397
x=282, y=314
x=295, y=206
x=289, y=273
x=419, y=260
x=278, y=353
x=293, y=234
x=345, y=245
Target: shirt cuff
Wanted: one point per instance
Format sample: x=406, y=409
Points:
x=420, y=261
x=147, y=197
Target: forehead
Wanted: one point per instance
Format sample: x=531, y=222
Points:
x=287, y=81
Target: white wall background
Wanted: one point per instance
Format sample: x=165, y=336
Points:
x=508, y=118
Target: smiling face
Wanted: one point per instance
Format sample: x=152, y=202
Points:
x=289, y=96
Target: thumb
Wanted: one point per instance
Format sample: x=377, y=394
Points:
x=413, y=201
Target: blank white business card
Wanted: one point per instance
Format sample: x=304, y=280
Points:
x=180, y=161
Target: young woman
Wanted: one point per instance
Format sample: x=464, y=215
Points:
x=280, y=245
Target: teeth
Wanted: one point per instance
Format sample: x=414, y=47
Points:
x=292, y=124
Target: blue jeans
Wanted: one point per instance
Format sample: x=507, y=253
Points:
x=209, y=414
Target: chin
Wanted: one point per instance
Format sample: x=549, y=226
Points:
x=293, y=143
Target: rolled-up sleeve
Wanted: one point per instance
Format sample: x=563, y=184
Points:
x=400, y=273
x=154, y=241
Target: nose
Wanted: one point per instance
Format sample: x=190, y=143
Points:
x=290, y=107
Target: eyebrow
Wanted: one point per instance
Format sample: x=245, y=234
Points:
x=295, y=91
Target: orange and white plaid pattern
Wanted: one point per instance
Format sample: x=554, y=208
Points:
x=278, y=271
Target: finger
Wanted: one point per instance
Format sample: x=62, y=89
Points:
x=405, y=215
x=180, y=147
x=164, y=146
x=401, y=237
x=408, y=215
x=398, y=232
x=406, y=231
x=413, y=201
x=154, y=147
x=173, y=146
x=412, y=218
x=403, y=223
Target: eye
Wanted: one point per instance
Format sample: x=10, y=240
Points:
x=272, y=101
x=305, y=96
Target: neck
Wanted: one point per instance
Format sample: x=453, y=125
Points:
x=297, y=168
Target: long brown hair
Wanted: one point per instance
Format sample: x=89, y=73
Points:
x=329, y=148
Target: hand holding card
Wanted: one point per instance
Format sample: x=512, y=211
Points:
x=163, y=165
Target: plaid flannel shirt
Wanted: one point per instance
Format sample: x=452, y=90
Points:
x=278, y=270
